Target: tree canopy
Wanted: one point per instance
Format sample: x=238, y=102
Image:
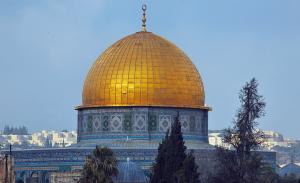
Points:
x=100, y=166
x=241, y=164
x=172, y=164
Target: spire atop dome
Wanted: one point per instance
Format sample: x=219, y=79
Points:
x=144, y=19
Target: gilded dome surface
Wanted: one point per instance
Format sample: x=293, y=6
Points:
x=143, y=69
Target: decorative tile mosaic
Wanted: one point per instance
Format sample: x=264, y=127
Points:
x=140, y=122
x=192, y=124
x=152, y=125
x=127, y=123
x=90, y=123
x=97, y=123
x=105, y=123
x=116, y=123
x=184, y=120
x=164, y=122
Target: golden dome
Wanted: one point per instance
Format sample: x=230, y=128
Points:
x=143, y=69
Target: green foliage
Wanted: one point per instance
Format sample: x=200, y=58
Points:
x=158, y=169
x=290, y=179
x=268, y=175
x=188, y=172
x=244, y=136
x=172, y=165
x=100, y=166
x=175, y=152
x=242, y=165
x=227, y=169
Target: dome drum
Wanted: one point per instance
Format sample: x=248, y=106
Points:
x=139, y=127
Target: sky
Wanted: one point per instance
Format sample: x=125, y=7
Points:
x=47, y=48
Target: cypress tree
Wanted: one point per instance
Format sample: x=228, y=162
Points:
x=157, y=173
x=188, y=172
x=175, y=152
x=172, y=165
x=242, y=164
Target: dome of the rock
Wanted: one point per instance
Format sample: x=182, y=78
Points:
x=135, y=90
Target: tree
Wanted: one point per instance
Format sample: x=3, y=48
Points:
x=157, y=173
x=175, y=152
x=100, y=166
x=188, y=172
x=242, y=165
x=290, y=179
x=172, y=164
x=227, y=169
x=268, y=175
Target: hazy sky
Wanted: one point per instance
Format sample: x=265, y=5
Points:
x=47, y=48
